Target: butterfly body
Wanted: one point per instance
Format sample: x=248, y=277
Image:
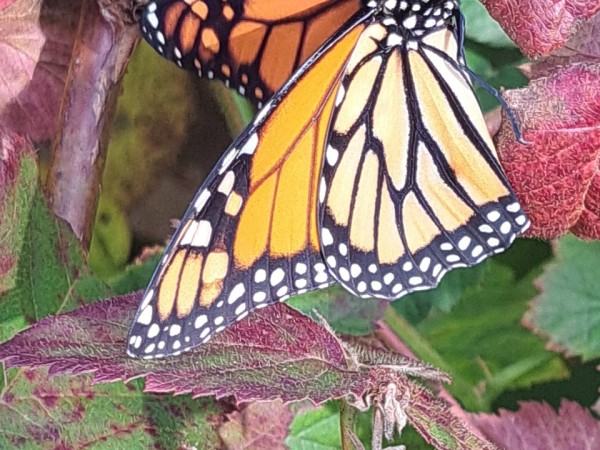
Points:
x=371, y=167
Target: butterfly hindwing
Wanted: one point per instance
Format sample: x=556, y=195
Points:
x=254, y=46
x=250, y=237
x=414, y=187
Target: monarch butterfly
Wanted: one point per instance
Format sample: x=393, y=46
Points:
x=371, y=167
x=253, y=46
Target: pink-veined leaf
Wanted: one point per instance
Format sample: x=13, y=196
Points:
x=556, y=176
x=537, y=426
x=539, y=27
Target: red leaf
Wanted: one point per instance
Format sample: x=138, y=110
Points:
x=537, y=426
x=539, y=27
x=274, y=353
x=258, y=426
x=556, y=176
x=583, y=47
x=37, y=40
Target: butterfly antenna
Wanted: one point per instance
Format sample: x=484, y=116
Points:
x=460, y=23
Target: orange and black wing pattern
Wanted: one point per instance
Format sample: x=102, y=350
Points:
x=371, y=167
x=412, y=186
x=254, y=46
x=250, y=236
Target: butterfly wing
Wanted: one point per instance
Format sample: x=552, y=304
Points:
x=250, y=237
x=252, y=45
x=414, y=187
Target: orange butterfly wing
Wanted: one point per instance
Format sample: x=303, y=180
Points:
x=372, y=166
x=250, y=236
x=254, y=46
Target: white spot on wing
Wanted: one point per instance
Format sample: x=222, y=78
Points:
x=226, y=184
x=332, y=155
x=394, y=39
x=281, y=293
x=344, y=274
x=147, y=298
x=505, y=228
x=277, y=276
x=189, y=234
x=339, y=98
x=414, y=281
x=259, y=297
x=321, y=277
x=200, y=321
x=493, y=216
x=485, y=228
x=477, y=251
x=300, y=283
x=229, y=157
x=513, y=207
x=236, y=293
x=152, y=19
x=464, y=243
x=145, y=317
x=153, y=331
x=452, y=258
x=322, y=190
x=201, y=200
x=260, y=276
x=326, y=237
x=203, y=234
x=250, y=145
x=410, y=22
x=493, y=242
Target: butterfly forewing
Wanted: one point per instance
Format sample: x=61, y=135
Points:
x=254, y=46
x=250, y=236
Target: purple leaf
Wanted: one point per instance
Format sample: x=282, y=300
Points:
x=537, y=426
x=275, y=353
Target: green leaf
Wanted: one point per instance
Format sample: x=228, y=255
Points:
x=50, y=261
x=482, y=341
x=345, y=313
x=38, y=411
x=111, y=241
x=15, y=216
x=135, y=277
x=568, y=309
x=318, y=429
x=451, y=289
x=480, y=27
